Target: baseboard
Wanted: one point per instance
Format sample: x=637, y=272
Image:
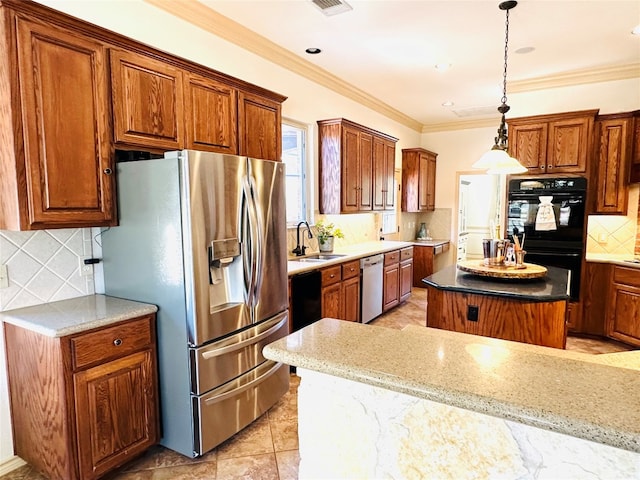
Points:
x=11, y=464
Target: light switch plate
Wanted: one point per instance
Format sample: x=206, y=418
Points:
x=4, y=277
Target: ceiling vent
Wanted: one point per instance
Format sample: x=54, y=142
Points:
x=474, y=111
x=332, y=7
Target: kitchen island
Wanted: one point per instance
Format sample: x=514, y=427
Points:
x=427, y=403
x=523, y=310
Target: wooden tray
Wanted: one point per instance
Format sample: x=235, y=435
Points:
x=478, y=267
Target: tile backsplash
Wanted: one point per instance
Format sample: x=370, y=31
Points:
x=616, y=234
x=438, y=224
x=44, y=266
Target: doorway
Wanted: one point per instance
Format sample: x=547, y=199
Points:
x=480, y=210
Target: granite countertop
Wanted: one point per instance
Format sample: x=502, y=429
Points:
x=549, y=288
x=430, y=243
x=65, y=317
x=622, y=260
x=350, y=252
x=565, y=392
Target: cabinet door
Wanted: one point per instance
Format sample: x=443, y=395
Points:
x=624, y=313
x=350, y=181
x=390, y=167
x=332, y=301
x=422, y=264
x=612, y=165
x=116, y=412
x=366, y=168
x=528, y=144
x=423, y=182
x=64, y=96
x=211, y=115
x=634, y=174
x=391, y=286
x=406, y=279
x=351, y=299
x=379, y=174
x=568, y=145
x=430, y=186
x=147, y=101
x=259, y=127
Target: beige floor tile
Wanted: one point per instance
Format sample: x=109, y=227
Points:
x=284, y=433
x=195, y=471
x=253, y=440
x=288, y=463
x=161, y=457
x=254, y=467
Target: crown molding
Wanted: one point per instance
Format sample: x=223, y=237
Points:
x=213, y=22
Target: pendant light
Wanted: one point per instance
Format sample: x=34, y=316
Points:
x=497, y=160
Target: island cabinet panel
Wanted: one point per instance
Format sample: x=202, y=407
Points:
x=613, y=152
x=537, y=323
x=56, y=128
x=356, y=168
x=211, y=115
x=554, y=144
x=148, y=108
x=259, y=127
x=418, y=180
x=74, y=421
x=623, y=313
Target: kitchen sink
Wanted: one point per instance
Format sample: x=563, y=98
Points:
x=316, y=258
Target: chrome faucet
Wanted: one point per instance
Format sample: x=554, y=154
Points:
x=299, y=250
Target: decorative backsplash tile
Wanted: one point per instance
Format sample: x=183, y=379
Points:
x=438, y=224
x=44, y=266
x=616, y=234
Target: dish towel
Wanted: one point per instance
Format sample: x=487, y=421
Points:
x=546, y=217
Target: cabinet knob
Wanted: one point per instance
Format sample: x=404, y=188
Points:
x=107, y=171
x=332, y=275
x=117, y=342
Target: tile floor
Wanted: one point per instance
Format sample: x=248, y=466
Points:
x=268, y=448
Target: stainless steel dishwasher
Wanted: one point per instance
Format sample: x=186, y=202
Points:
x=371, y=269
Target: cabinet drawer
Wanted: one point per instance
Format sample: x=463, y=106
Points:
x=391, y=257
x=406, y=253
x=331, y=275
x=350, y=269
x=111, y=342
x=627, y=276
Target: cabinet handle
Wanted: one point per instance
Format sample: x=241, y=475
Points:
x=332, y=275
x=107, y=171
x=117, y=342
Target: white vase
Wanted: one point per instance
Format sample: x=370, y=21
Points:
x=327, y=245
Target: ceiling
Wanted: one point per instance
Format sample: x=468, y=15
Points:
x=387, y=49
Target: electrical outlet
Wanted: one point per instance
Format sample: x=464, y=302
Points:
x=472, y=313
x=602, y=238
x=85, y=270
x=4, y=277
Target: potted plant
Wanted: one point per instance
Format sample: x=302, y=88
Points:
x=326, y=234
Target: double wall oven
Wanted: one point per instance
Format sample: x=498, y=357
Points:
x=550, y=212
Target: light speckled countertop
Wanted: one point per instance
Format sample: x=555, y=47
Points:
x=567, y=392
x=58, y=319
x=622, y=260
x=350, y=252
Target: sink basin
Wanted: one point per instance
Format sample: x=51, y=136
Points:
x=317, y=258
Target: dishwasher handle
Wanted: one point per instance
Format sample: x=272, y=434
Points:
x=371, y=261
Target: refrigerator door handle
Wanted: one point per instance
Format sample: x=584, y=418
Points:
x=253, y=240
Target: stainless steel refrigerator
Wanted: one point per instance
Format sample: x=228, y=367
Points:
x=202, y=236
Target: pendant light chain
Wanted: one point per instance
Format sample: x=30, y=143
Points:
x=506, y=48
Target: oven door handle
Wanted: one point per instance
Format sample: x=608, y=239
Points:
x=551, y=254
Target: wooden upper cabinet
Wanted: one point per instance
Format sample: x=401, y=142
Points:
x=356, y=168
x=148, y=109
x=211, y=115
x=418, y=180
x=62, y=175
x=557, y=143
x=634, y=170
x=613, y=151
x=259, y=127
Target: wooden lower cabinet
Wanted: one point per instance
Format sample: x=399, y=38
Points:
x=423, y=260
x=398, y=277
x=406, y=273
x=86, y=403
x=596, y=282
x=536, y=323
x=341, y=291
x=623, y=312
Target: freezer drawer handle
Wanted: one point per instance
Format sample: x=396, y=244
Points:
x=251, y=340
x=237, y=391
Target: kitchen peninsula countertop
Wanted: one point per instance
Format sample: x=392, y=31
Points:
x=65, y=317
x=576, y=394
x=430, y=243
x=549, y=288
x=350, y=252
x=622, y=260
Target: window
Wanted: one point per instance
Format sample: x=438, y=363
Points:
x=294, y=155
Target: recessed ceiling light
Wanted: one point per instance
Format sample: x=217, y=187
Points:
x=636, y=30
x=442, y=67
x=313, y=50
x=448, y=103
x=525, y=50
